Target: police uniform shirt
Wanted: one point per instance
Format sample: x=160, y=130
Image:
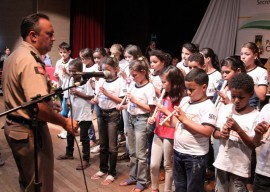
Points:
x=23, y=78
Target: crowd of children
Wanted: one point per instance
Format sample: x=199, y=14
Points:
x=190, y=117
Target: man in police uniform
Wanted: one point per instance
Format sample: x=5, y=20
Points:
x=24, y=77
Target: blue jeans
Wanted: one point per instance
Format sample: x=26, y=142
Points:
x=189, y=172
x=125, y=119
x=137, y=140
x=108, y=125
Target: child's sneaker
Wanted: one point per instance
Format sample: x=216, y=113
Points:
x=95, y=149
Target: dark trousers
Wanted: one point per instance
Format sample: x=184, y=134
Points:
x=189, y=172
x=261, y=183
x=84, y=138
x=108, y=125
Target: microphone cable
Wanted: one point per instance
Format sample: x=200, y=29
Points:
x=78, y=148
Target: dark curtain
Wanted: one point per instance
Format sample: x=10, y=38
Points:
x=87, y=25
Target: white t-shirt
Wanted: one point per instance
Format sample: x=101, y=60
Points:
x=183, y=66
x=93, y=68
x=263, y=160
x=259, y=76
x=113, y=87
x=81, y=108
x=238, y=157
x=213, y=82
x=202, y=113
x=124, y=65
x=156, y=81
x=145, y=94
x=63, y=78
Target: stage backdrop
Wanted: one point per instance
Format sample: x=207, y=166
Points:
x=254, y=25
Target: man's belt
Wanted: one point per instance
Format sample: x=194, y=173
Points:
x=20, y=120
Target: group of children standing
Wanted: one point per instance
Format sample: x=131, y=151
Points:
x=187, y=114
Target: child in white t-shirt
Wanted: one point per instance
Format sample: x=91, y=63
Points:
x=196, y=121
x=141, y=101
x=79, y=100
x=262, y=175
x=234, y=157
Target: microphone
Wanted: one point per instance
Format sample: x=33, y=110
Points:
x=87, y=75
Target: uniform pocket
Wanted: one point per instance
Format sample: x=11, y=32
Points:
x=18, y=136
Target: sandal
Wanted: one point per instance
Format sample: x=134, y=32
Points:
x=109, y=179
x=123, y=157
x=64, y=157
x=136, y=190
x=98, y=175
x=127, y=182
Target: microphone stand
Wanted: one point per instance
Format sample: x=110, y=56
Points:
x=33, y=109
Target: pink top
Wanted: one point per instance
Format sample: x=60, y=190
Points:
x=162, y=131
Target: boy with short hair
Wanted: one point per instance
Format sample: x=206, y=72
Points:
x=234, y=157
x=196, y=60
x=81, y=112
x=62, y=75
x=196, y=119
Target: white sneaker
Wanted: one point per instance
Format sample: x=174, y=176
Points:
x=95, y=149
x=62, y=135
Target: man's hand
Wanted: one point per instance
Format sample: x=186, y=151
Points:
x=71, y=126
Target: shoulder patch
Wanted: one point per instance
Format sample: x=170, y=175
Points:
x=39, y=70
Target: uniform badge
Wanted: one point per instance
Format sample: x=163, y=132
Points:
x=39, y=70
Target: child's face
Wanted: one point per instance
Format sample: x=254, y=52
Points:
x=156, y=64
x=87, y=61
x=195, y=91
x=106, y=67
x=227, y=72
x=128, y=57
x=240, y=99
x=165, y=83
x=98, y=58
x=247, y=56
x=175, y=61
x=193, y=65
x=185, y=55
x=138, y=76
x=65, y=54
x=72, y=70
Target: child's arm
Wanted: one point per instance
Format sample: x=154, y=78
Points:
x=111, y=96
x=77, y=93
x=205, y=130
x=146, y=107
x=260, y=129
x=233, y=125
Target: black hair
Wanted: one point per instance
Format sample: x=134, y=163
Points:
x=64, y=45
x=31, y=23
x=242, y=81
x=197, y=75
x=208, y=52
x=176, y=79
x=162, y=56
x=101, y=50
x=77, y=63
x=234, y=62
x=193, y=48
x=87, y=53
x=112, y=61
x=198, y=57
